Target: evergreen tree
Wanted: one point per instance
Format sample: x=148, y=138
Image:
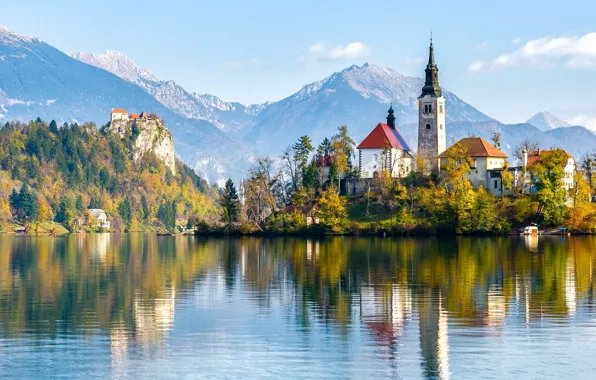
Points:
x=54, y=127
x=144, y=207
x=229, y=203
x=79, y=204
x=125, y=211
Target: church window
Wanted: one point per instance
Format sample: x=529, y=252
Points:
x=426, y=108
x=441, y=108
x=496, y=184
x=430, y=108
x=441, y=126
x=427, y=126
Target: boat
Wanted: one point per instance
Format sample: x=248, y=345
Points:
x=530, y=231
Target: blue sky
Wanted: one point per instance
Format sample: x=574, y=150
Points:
x=253, y=51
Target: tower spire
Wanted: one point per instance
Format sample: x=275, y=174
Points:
x=391, y=117
x=431, y=83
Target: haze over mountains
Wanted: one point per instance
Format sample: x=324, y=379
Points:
x=220, y=138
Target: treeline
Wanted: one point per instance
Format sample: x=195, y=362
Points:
x=51, y=173
x=301, y=195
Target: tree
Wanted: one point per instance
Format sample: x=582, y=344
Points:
x=144, y=207
x=528, y=145
x=229, y=203
x=343, y=150
x=331, y=210
x=125, y=211
x=547, y=177
x=588, y=164
x=457, y=166
x=167, y=215
x=496, y=139
x=79, y=203
x=506, y=179
x=54, y=127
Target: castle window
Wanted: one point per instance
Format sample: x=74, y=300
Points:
x=441, y=108
x=427, y=126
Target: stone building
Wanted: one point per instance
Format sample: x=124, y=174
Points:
x=384, y=149
x=432, y=137
x=487, y=163
x=569, y=166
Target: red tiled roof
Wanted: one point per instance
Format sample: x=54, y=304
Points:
x=134, y=116
x=119, y=110
x=383, y=137
x=536, y=156
x=476, y=147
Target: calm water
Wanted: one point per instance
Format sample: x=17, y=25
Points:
x=138, y=306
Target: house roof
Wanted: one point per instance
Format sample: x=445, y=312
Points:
x=96, y=212
x=476, y=147
x=134, y=116
x=119, y=110
x=382, y=137
x=536, y=156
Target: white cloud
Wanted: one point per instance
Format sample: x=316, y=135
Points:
x=574, y=51
x=585, y=121
x=243, y=64
x=321, y=52
x=415, y=61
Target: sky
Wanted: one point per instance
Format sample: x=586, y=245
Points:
x=509, y=59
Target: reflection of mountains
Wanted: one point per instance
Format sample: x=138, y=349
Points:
x=129, y=285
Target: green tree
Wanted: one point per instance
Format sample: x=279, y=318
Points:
x=228, y=201
x=343, y=150
x=125, y=211
x=547, y=177
x=144, y=207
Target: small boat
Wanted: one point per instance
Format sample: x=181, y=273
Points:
x=530, y=231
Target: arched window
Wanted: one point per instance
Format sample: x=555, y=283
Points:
x=430, y=108
x=426, y=108
x=427, y=126
x=441, y=108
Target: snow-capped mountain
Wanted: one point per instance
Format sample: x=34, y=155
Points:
x=546, y=121
x=358, y=97
x=37, y=79
x=227, y=116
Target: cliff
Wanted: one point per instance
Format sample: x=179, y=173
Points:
x=150, y=135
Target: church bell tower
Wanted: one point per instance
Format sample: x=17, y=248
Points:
x=432, y=137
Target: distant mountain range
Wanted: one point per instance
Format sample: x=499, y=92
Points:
x=220, y=138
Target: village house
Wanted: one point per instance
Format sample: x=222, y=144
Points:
x=384, y=149
x=487, y=163
x=99, y=218
x=307, y=212
x=569, y=166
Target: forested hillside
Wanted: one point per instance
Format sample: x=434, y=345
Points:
x=51, y=173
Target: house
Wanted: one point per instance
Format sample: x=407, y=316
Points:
x=308, y=212
x=384, y=149
x=487, y=163
x=119, y=114
x=99, y=218
x=569, y=165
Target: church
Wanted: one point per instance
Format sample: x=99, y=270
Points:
x=385, y=149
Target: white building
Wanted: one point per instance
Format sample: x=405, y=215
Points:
x=119, y=114
x=432, y=137
x=487, y=163
x=99, y=218
x=384, y=149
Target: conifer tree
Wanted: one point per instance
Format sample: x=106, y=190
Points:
x=229, y=203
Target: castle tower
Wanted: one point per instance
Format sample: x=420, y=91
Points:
x=432, y=138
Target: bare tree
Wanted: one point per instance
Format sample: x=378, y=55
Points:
x=528, y=145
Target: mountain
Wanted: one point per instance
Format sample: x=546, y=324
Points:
x=38, y=80
x=227, y=116
x=546, y=121
x=358, y=97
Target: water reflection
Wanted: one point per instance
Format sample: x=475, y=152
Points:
x=408, y=306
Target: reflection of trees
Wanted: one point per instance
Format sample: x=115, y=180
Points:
x=125, y=283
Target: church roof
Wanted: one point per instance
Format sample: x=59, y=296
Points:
x=431, y=82
x=476, y=147
x=382, y=137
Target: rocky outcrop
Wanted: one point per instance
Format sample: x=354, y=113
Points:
x=150, y=135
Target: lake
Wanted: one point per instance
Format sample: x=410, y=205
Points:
x=142, y=306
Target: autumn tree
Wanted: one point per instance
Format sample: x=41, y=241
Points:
x=331, y=210
x=343, y=150
x=547, y=176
